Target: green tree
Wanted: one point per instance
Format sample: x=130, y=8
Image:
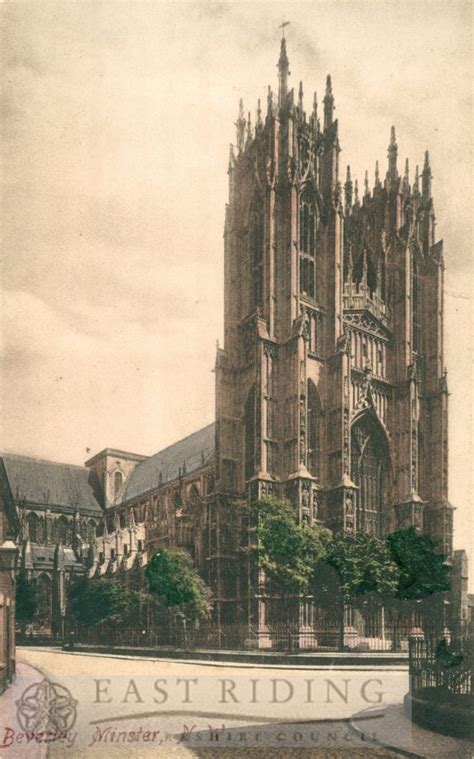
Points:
x=97, y=600
x=422, y=569
x=357, y=566
x=172, y=577
x=363, y=565
x=422, y=576
x=25, y=601
x=287, y=551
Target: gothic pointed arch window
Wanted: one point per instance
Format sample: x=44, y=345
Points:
x=314, y=430
x=256, y=251
x=250, y=430
x=35, y=528
x=91, y=531
x=63, y=531
x=369, y=471
x=307, y=228
x=194, y=497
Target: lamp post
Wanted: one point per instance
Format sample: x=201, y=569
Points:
x=8, y=562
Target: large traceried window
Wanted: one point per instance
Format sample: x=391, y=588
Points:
x=314, y=430
x=307, y=222
x=256, y=252
x=369, y=464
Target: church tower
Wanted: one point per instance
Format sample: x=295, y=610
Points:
x=393, y=319
x=330, y=386
x=283, y=303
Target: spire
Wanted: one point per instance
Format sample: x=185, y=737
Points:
x=269, y=102
x=406, y=177
x=283, y=71
x=249, y=127
x=300, y=98
x=328, y=103
x=259, y=116
x=231, y=157
x=240, y=127
x=377, y=175
x=392, y=174
x=416, y=183
x=348, y=189
x=364, y=267
x=366, y=185
x=350, y=265
x=76, y=536
x=426, y=177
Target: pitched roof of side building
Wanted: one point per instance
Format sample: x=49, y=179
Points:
x=49, y=484
x=185, y=456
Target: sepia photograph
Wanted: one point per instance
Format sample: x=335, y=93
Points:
x=236, y=379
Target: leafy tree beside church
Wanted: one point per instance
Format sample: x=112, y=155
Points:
x=422, y=569
x=99, y=600
x=172, y=577
x=287, y=550
x=25, y=601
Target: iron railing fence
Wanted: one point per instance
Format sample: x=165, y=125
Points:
x=278, y=637
x=442, y=664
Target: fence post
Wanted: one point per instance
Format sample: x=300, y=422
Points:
x=416, y=648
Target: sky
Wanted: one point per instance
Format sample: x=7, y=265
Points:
x=116, y=124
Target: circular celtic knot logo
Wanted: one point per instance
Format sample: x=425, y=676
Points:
x=46, y=706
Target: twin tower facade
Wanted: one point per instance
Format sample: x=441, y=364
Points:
x=330, y=387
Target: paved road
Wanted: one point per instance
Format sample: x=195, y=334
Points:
x=144, y=707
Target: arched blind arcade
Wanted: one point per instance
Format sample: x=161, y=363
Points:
x=307, y=222
x=369, y=463
x=307, y=225
x=314, y=431
x=256, y=253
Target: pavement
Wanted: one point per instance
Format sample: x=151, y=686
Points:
x=394, y=729
x=300, y=658
x=10, y=727
x=119, y=705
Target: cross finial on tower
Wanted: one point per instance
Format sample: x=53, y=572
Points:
x=283, y=67
x=282, y=27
